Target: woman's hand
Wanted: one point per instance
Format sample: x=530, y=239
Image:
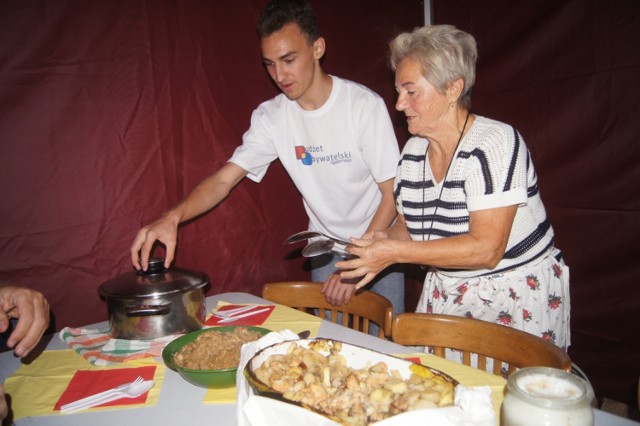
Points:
x=374, y=253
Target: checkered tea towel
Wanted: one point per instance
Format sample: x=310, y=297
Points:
x=97, y=346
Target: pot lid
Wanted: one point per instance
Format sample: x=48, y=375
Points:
x=154, y=282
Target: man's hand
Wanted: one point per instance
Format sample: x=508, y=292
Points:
x=205, y=196
x=338, y=289
x=164, y=230
x=32, y=311
x=337, y=292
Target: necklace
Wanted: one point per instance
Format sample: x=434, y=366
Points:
x=444, y=179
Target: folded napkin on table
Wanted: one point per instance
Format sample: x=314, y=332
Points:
x=90, y=382
x=286, y=318
x=36, y=388
x=472, y=405
x=97, y=346
x=255, y=320
x=280, y=317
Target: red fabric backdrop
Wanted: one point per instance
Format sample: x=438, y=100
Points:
x=566, y=74
x=111, y=111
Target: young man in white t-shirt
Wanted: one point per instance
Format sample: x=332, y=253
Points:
x=334, y=137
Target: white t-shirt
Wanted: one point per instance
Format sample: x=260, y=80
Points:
x=335, y=155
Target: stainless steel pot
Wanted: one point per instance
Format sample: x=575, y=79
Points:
x=155, y=303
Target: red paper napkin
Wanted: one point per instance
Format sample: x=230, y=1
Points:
x=89, y=382
x=257, y=319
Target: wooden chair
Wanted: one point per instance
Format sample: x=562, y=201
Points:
x=364, y=307
x=514, y=347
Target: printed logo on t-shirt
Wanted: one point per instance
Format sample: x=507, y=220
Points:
x=303, y=153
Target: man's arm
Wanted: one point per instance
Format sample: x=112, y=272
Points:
x=399, y=231
x=335, y=291
x=386, y=212
x=205, y=196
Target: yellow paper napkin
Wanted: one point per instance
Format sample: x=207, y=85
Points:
x=282, y=318
x=220, y=396
x=36, y=387
x=286, y=318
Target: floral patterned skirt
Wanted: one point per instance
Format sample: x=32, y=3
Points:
x=533, y=298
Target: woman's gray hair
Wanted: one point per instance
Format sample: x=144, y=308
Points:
x=445, y=54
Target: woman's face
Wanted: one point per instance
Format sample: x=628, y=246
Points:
x=424, y=106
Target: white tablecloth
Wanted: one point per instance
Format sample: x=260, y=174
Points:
x=180, y=403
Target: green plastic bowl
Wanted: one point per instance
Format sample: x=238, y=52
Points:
x=212, y=379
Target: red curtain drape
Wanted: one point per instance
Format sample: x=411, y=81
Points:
x=565, y=73
x=111, y=111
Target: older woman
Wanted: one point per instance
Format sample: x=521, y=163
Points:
x=468, y=201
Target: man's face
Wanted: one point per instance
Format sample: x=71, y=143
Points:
x=291, y=60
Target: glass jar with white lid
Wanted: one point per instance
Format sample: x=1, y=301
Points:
x=546, y=396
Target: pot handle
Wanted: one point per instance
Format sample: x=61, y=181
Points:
x=147, y=310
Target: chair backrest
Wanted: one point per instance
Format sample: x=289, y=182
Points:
x=513, y=347
x=364, y=307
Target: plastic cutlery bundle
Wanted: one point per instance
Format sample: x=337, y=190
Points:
x=232, y=312
x=127, y=390
x=242, y=315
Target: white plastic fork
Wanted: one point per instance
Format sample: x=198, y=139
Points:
x=100, y=398
x=104, y=401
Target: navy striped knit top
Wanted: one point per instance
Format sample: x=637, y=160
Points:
x=492, y=168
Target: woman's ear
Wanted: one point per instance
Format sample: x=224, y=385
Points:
x=454, y=90
x=318, y=48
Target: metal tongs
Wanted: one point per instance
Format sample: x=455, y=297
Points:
x=324, y=244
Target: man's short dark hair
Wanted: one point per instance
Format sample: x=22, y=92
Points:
x=279, y=13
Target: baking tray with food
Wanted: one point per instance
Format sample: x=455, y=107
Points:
x=346, y=383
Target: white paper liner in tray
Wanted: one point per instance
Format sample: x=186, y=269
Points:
x=473, y=406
